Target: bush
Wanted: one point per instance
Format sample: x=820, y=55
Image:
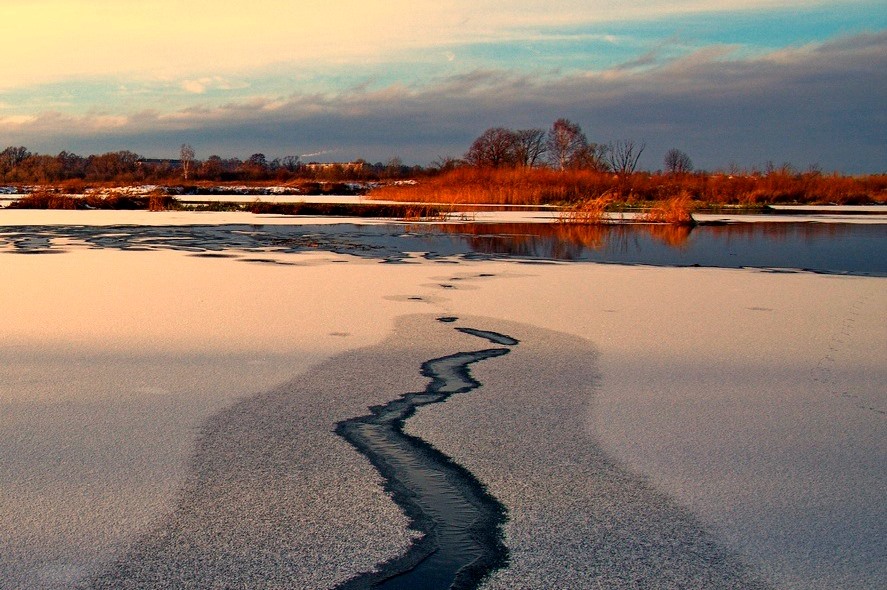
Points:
x=405, y=211
x=159, y=201
x=45, y=199
x=676, y=211
x=589, y=211
x=113, y=200
x=73, y=186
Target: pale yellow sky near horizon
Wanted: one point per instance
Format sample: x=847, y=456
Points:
x=63, y=39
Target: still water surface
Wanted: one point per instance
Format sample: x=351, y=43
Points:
x=840, y=248
x=820, y=247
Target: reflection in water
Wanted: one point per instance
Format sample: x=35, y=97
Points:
x=820, y=247
x=571, y=238
x=675, y=236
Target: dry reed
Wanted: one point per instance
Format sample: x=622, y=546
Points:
x=591, y=211
x=45, y=199
x=535, y=186
x=675, y=211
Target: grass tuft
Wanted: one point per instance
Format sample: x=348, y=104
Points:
x=588, y=212
x=675, y=211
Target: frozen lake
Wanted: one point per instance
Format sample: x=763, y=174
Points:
x=837, y=248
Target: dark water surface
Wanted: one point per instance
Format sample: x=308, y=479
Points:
x=840, y=248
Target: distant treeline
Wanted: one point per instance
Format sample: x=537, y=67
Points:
x=508, y=166
x=19, y=166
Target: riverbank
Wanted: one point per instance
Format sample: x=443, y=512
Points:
x=155, y=396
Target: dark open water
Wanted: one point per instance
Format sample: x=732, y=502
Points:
x=839, y=248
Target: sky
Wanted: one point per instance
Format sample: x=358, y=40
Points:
x=731, y=83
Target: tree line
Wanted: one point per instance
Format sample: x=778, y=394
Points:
x=562, y=147
x=20, y=165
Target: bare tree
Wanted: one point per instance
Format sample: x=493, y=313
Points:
x=529, y=147
x=291, y=163
x=187, y=157
x=394, y=168
x=259, y=161
x=494, y=148
x=122, y=165
x=677, y=162
x=565, y=140
x=446, y=163
x=212, y=168
x=623, y=155
x=12, y=157
x=72, y=165
x=591, y=156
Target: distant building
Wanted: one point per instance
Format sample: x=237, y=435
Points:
x=344, y=166
x=160, y=162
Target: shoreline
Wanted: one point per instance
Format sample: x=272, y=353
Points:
x=867, y=214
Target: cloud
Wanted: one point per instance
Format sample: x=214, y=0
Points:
x=206, y=83
x=68, y=39
x=194, y=86
x=813, y=104
x=17, y=120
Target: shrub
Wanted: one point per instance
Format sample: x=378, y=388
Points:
x=589, y=211
x=45, y=199
x=676, y=211
x=73, y=186
x=158, y=201
x=369, y=210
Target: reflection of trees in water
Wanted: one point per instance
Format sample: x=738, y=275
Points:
x=556, y=241
x=820, y=246
x=672, y=235
x=562, y=241
x=777, y=235
x=779, y=231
